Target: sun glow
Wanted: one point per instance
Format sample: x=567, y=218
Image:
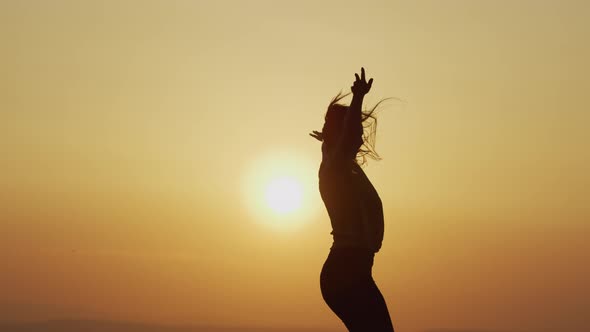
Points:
x=281, y=190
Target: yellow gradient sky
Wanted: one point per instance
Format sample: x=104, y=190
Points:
x=131, y=132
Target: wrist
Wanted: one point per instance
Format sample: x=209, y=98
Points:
x=358, y=96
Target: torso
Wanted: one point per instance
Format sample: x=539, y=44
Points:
x=354, y=207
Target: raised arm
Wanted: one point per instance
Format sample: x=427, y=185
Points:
x=353, y=120
x=351, y=136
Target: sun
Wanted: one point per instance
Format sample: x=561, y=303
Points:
x=280, y=190
x=283, y=195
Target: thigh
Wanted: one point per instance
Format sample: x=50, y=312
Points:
x=361, y=308
x=351, y=293
x=374, y=312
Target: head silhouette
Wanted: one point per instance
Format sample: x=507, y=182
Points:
x=363, y=141
x=333, y=127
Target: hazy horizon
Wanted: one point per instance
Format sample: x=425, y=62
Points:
x=117, y=326
x=139, y=139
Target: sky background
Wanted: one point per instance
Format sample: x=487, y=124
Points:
x=133, y=134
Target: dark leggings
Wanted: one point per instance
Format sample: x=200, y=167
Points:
x=350, y=291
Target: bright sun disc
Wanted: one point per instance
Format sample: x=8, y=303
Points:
x=280, y=190
x=283, y=195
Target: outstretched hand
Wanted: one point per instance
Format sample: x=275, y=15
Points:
x=361, y=87
x=317, y=135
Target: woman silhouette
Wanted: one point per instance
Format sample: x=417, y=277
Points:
x=356, y=215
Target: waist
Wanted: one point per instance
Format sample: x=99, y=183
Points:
x=356, y=241
x=354, y=253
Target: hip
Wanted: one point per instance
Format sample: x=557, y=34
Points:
x=346, y=267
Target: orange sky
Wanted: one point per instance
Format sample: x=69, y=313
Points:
x=130, y=129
